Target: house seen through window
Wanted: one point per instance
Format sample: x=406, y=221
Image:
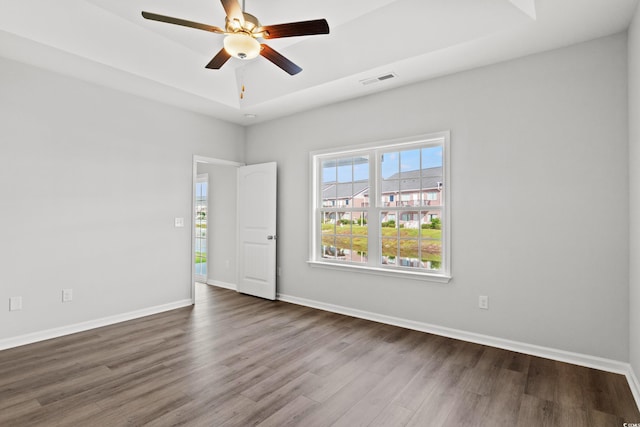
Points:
x=384, y=207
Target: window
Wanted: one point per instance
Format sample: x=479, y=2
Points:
x=343, y=230
x=383, y=207
x=200, y=222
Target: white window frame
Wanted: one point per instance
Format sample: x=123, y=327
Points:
x=373, y=150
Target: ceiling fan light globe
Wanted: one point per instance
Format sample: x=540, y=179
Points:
x=241, y=46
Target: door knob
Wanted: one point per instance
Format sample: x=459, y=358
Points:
x=271, y=237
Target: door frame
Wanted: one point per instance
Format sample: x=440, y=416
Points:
x=211, y=161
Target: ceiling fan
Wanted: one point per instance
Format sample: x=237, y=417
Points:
x=242, y=31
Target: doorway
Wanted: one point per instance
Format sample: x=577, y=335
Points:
x=214, y=231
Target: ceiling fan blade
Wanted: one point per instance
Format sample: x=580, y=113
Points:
x=219, y=60
x=233, y=10
x=293, y=29
x=279, y=60
x=183, y=22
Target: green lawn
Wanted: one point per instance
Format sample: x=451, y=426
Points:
x=201, y=257
x=408, y=241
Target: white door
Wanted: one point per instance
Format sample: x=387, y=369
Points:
x=257, y=230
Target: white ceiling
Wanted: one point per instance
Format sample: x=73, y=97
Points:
x=108, y=42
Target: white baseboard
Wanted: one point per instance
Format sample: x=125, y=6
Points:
x=520, y=347
x=634, y=384
x=91, y=324
x=224, y=285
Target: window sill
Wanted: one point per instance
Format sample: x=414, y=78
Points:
x=427, y=277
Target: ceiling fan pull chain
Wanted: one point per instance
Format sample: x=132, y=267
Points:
x=240, y=77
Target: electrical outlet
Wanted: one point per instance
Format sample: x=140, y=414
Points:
x=15, y=303
x=483, y=302
x=67, y=295
x=178, y=222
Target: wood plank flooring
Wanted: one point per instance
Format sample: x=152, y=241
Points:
x=235, y=360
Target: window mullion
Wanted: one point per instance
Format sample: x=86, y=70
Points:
x=374, y=211
x=374, y=237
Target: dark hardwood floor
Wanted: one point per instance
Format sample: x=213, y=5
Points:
x=235, y=360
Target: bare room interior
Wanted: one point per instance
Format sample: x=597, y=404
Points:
x=270, y=212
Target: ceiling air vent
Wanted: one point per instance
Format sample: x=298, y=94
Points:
x=380, y=78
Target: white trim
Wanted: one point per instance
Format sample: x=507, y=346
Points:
x=214, y=161
x=224, y=285
x=392, y=272
x=91, y=324
x=520, y=347
x=634, y=385
x=383, y=144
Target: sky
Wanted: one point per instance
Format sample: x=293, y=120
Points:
x=392, y=163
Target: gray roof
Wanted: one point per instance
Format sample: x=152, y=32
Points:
x=407, y=181
x=410, y=181
x=344, y=190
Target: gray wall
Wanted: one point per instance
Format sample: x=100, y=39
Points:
x=540, y=208
x=634, y=191
x=90, y=182
x=91, y=179
x=221, y=243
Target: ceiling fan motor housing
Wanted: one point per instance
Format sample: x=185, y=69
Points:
x=250, y=24
x=240, y=42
